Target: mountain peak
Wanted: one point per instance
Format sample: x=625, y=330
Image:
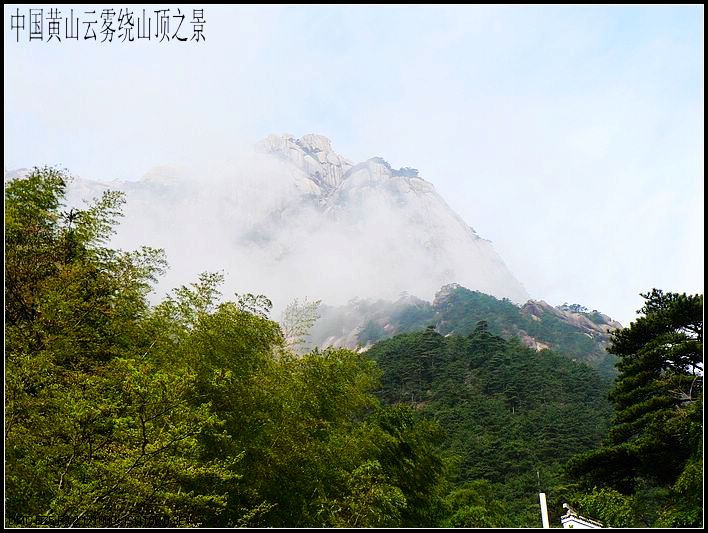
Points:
x=396, y=214
x=312, y=154
x=315, y=143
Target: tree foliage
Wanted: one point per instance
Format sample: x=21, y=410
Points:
x=654, y=449
x=512, y=417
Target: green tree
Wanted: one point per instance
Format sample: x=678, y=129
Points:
x=474, y=504
x=654, y=447
x=102, y=425
x=372, y=501
x=503, y=408
x=609, y=506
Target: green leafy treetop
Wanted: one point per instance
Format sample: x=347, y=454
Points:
x=654, y=449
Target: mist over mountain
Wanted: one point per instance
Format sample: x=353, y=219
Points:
x=294, y=219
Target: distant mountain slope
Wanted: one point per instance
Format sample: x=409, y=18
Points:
x=582, y=336
x=513, y=416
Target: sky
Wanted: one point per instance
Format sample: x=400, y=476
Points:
x=571, y=137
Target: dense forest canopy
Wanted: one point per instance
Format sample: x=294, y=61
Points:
x=512, y=416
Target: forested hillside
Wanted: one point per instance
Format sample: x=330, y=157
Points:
x=571, y=331
x=512, y=417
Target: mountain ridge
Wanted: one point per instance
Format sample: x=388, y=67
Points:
x=456, y=310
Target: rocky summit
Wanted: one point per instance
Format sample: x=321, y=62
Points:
x=416, y=240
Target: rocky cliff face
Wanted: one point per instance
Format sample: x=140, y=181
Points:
x=596, y=326
x=313, y=155
x=411, y=233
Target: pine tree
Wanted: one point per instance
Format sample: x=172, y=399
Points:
x=655, y=441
